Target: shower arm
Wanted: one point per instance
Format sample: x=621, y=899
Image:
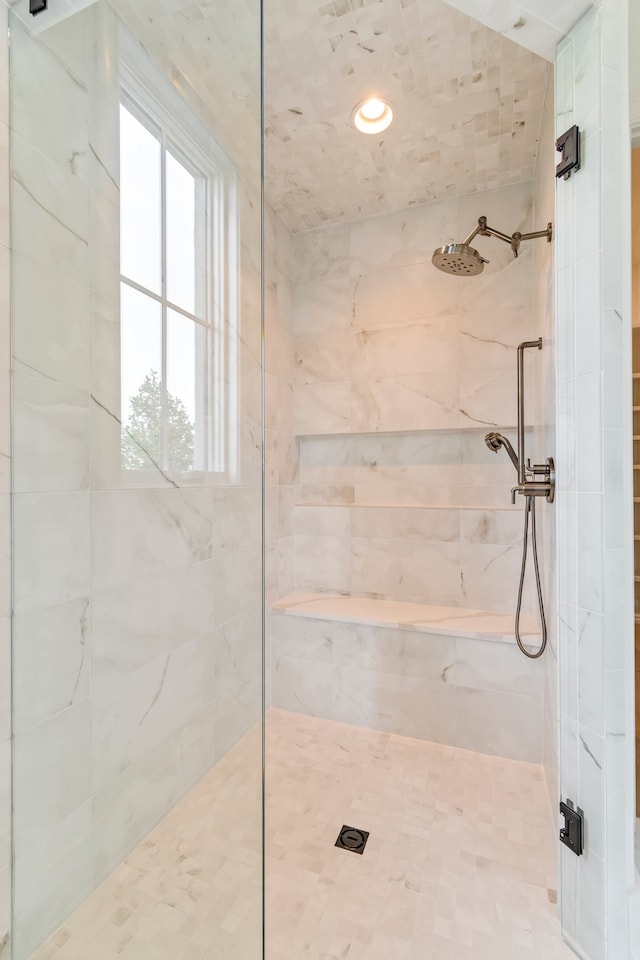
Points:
x=514, y=240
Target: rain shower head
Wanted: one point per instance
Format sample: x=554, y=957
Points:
x=495, y=441
x=463, y=260
x=458, y=259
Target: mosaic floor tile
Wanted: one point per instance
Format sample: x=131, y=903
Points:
x=460, y=863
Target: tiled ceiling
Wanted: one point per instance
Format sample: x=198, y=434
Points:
x=467, y=101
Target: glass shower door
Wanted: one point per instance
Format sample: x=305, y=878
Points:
x=137, y=481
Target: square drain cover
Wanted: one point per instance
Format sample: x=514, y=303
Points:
x=351, y=838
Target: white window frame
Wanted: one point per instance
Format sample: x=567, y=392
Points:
x=154, y=102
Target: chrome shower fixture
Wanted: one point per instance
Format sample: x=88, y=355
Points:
x=495, y=441
x=463, y=260
x=530, y=487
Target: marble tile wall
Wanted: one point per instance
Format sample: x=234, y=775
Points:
x=594, y=509
x=137, y=627
x=455, y=556
x=478, y=694
x=400, y=370
x=384, y=342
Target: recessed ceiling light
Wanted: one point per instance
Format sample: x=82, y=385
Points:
x=372, y=115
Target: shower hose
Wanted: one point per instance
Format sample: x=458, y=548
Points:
x=530, y=511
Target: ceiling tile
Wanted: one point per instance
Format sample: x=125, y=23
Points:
x=467, y=105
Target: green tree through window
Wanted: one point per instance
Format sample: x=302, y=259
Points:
x=141, y=441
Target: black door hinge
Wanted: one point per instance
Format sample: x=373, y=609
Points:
x=569, y=146
x=572, y=834
x=37, y=6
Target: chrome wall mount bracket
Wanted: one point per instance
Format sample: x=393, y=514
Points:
x=527, y=485
x=514, y=240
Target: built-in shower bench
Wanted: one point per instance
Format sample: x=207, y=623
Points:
x=447, y=674
x=424, y=617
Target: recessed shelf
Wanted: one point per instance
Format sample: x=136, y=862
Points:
x=407, y=506
x=481, y=428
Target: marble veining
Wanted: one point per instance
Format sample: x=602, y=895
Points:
x=403, y=347
x=399, y=370
x=138, y=665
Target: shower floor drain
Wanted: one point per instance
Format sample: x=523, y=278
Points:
x=351, y=838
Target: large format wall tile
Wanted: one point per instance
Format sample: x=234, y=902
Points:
x=406, y=570
x=136, y=533
x=50, y=212
x=51, y=772
x=404, y=402
x=136, y=622
x=134, y=712
x=50, y=97
x=412, y=367
x=503, y=724
x=50, y=525
x=52, y=876
x=410, y=524
x=595, y=505
x=137, y=634
x=51, y=661
x=60, y=350
x=446, y=554
x=395, y=317
x=395, y=703
x=51, y=436
x=481, y=695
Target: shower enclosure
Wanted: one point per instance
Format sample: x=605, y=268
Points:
x=137, y=467
x=259, y=560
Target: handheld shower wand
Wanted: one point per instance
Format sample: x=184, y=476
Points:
x=495, y=440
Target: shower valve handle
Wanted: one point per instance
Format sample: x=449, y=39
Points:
x=539, y=469
x=531, y=488
x=538, y=488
